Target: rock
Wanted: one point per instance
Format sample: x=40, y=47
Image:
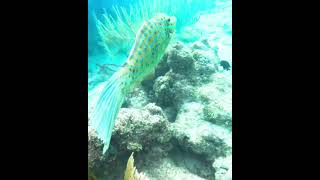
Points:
x=195, y=63
x=171, y=113
x=184, y=91
x=180, y=61
x=193, y=163
x=195, y=135
x=136, y=130
x=166, y=168
x=162, y=67
x=95, y=146
x=217, y=99
x=178, y=45
x=223, y=168
x=205, y=41
x=200, y=45
x=205, y=65
x=163, y=91
x=214, y=113
x=138, y=98
x=97, y=162
x=188, y=69
x=141, y=129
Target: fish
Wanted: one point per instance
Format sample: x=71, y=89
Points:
x=225, y=64
x=151, y=42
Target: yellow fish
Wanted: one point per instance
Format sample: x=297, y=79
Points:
x=151, y=41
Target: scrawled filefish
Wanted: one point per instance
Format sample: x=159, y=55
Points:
x=151, y=41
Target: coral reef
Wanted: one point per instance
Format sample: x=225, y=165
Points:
x=137, y=99
x=217, y=97
x=96, y=161
x=141, y=129
x=179, y=122
x=187, y=105
x=177, y=164
x=135, y=130
x=199, y=136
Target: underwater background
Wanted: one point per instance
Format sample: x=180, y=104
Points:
x=178, y=123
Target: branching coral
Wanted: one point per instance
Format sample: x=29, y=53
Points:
x=131, y=172
x=117, y=32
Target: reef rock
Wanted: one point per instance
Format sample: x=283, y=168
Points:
x=182, y=69
x=199, y=136
x=217, y=99
x=96, y=161
x=223, y=168
x=180, y=60
x=163, y=91
x=195, y=60
x=138, y=98
x=135, y=130
x=166, y=168
x=141, y=129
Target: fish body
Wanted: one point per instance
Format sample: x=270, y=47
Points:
x=225, y=64
x=151, y=41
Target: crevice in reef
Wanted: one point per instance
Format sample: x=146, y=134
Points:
x=195, y=164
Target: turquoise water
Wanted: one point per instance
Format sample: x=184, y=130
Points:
x=187, y=13
x=188, y=97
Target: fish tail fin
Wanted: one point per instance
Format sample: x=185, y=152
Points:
x=105, y=108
